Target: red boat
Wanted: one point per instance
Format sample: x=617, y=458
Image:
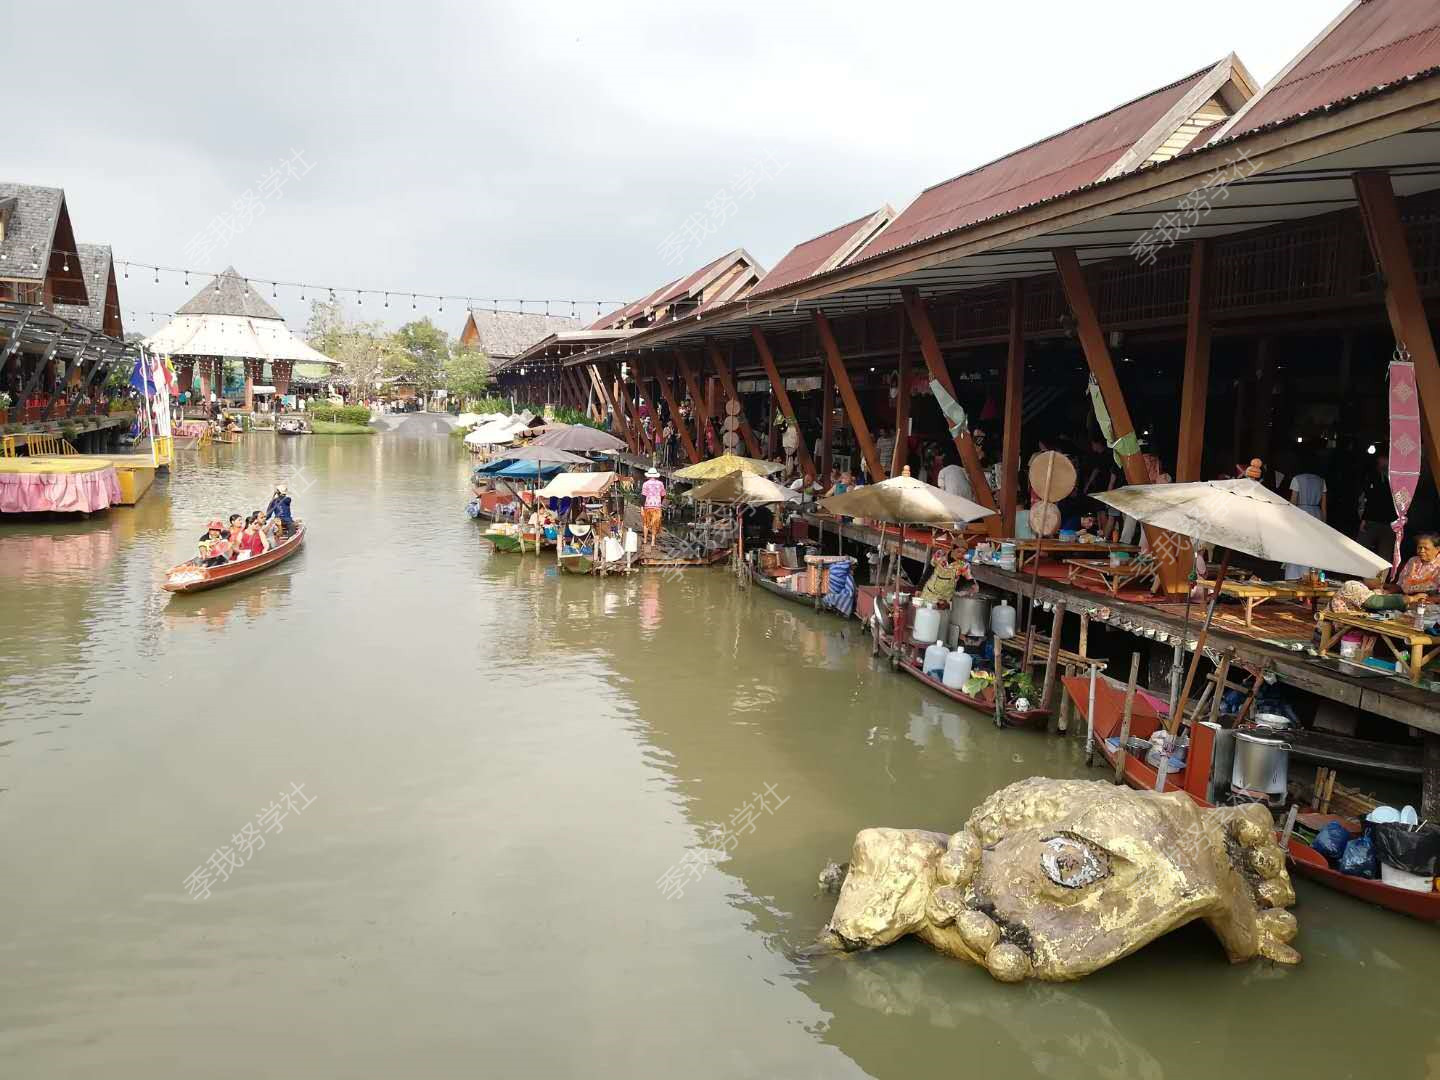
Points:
x=1195, y=780
x=985, y=704
x=191, y=577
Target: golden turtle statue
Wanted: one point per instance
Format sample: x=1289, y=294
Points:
x=1054, y=879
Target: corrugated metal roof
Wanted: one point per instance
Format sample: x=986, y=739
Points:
x=738, y=263
x=1055, y=166
x=1374, y=43
x=824, y=252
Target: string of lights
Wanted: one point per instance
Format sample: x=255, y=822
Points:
x=333, y=293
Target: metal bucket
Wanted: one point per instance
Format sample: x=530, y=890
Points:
x=1261, y=764
x=972, y=615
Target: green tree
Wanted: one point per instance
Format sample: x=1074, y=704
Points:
x=467, y=373
x=360, y=348
x=419, y=352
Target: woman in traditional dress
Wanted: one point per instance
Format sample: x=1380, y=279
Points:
x=1421, y=573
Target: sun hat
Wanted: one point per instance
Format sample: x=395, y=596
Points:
x=215, y=523
x=652, y=473
x=282, y=489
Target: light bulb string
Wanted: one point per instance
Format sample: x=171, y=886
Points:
x=497, y=305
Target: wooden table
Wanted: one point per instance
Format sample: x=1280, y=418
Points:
x=1255, y=593
x=1333, y=625
x=1028, y=548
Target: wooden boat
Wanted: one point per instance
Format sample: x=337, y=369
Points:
x=191, y=577
x=1195, y=780
x=983, y=703
x=292, y=425
x=508, y=537
x=769, y=584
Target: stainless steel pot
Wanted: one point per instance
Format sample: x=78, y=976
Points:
x=971, y=614
x=1260, y=764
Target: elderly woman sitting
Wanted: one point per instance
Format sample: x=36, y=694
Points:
x=1421, y=572
x=1359, y=596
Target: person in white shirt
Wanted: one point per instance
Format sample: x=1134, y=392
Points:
x=1308, y=492
x=954, y=480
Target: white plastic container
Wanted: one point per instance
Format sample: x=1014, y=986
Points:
x=935, y=657
x=1002, y=620
x=927, y=625
x=1403, y=879
x=957, y=669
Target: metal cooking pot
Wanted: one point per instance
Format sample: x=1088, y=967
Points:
x=1260, y=764
x=971, y=614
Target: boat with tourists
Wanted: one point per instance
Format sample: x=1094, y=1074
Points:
x=191, y=576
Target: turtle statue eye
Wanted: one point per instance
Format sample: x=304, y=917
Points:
x=1071, y=862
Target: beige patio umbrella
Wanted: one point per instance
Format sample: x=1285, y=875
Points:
x=903, y=500
x=741, y=489
x=1240, y=515
x=744, y=488
x=724, y=465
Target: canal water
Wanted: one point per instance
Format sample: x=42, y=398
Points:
x=495, y=782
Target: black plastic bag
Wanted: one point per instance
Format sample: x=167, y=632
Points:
x=1331, y=841
x=1359, y=859
x=1413, y=852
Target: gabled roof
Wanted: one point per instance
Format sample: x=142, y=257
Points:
x=729, y=277
x=502, y=334
x=39, y=242
x=826, y=251
x=1371, y=44
x=1119, y=141
x=102, y=314
x=229, y=294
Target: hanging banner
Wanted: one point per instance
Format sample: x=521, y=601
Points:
x=1404, y=444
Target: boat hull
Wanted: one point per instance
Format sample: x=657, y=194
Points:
x=577, y=564
x=1305, y=860
x=190, y=577
x=1028, y=718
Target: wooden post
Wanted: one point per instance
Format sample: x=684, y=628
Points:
x=782, y=399
x=1264, y=404
x=727, y=381
x=1386, y=233
x=698, y=402
x=668, y=391
x=603, y=397
x=1125, y=717
x=901, y=457
x=1014, y=411
x=847, y=394
x=1097, y=356
x=1430, y=779
x=1189, y=457
x=919, y=317
x=827, y=425
x=631, y=418
x=1056, y=626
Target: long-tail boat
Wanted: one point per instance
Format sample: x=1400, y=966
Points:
x=190, y=576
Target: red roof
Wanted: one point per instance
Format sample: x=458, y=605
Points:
x=1376, y=43
x=1043, y=170
x=811, y=256
x=609, y=322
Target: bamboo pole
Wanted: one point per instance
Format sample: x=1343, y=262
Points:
x=1057, y=624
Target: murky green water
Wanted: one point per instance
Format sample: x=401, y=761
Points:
x=504, y=762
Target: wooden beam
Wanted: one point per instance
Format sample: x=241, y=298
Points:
x=1195, y=391
x=698, y=403
x=668, y=391
x=727, y=381
x=628, y=414
x=1014, y=410
x=39, y=371
x=1097, y=356
x=782, y=399
x=1386, y=233
x=13, y=345
x=827, y=426
x=847, y=394
x=603, y=396
x=901, y=457
x=919, y=316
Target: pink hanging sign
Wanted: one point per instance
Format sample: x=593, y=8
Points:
x=1404, y=446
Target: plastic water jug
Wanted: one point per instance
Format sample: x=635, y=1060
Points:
x=957, y=669
x=1002, y=620
x=927, y=625
x=935, y=658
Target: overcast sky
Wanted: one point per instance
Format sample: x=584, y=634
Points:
x=547, y=149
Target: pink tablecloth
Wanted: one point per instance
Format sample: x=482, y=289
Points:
x=85, y=492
